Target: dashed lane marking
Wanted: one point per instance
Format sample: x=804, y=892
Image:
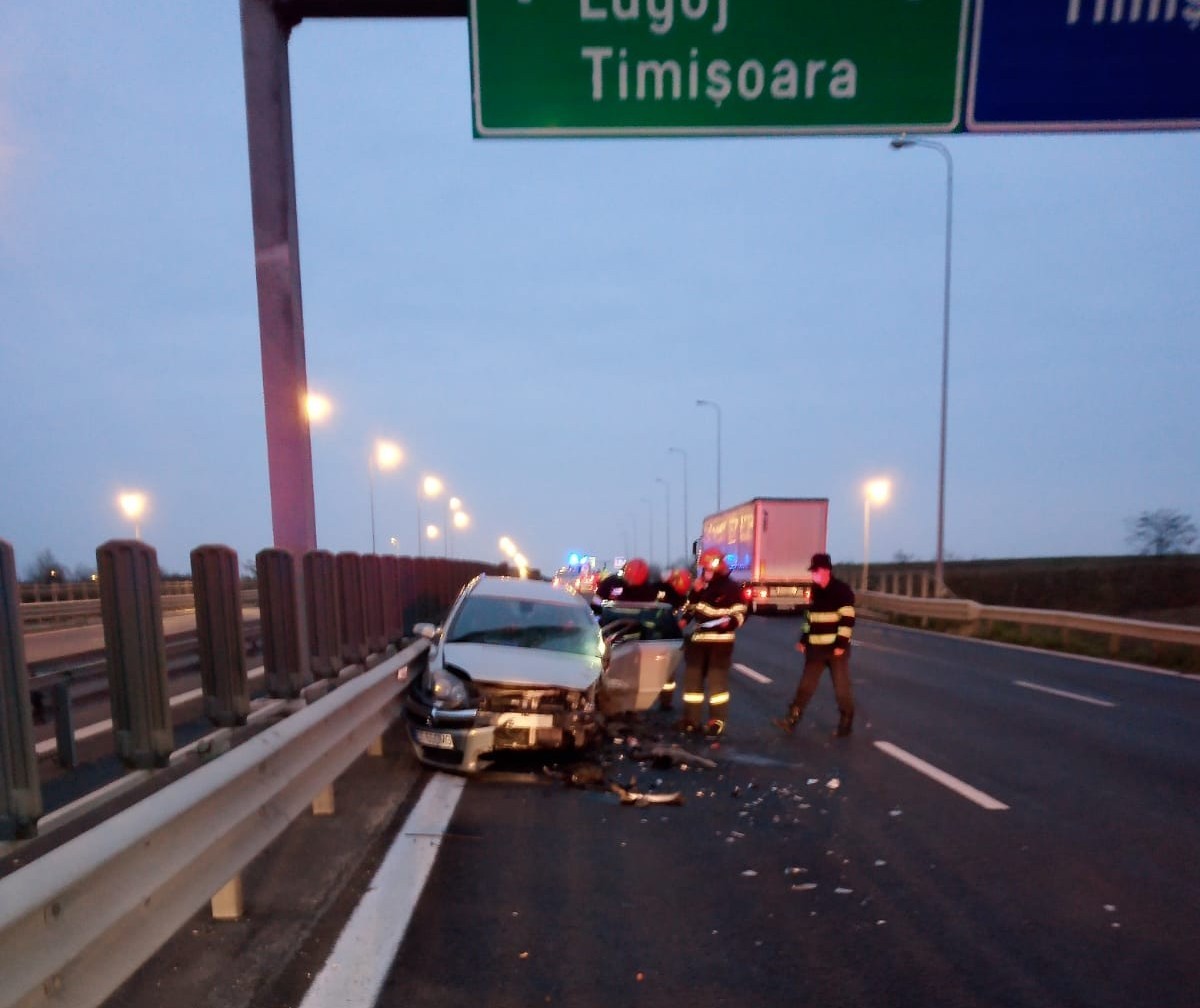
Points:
x=946, y=780
x=750, y=673
x=1064, y=693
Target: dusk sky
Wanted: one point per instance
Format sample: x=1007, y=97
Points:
x=534, y=320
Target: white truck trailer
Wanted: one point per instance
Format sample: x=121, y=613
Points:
x=769, y=542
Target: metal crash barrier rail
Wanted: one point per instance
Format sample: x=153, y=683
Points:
x=75, y=923
x=972, y=617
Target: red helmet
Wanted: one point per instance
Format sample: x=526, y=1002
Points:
x=636, y=571
x=681, y=581
x=714, y=560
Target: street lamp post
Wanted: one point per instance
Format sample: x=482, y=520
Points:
x=460, y=520
x=876, y=491
x=385, y=455
x=650, y=535
x=431, y=487
x=452, y=506
x=715, y=406
x=899, y=143
x=680, y=451
x=667, y=524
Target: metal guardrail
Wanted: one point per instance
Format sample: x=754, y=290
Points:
x=42, y=615
x=974, y=616
x=76, y=922
x=57, y=686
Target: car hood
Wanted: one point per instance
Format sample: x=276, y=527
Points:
x=518, y=666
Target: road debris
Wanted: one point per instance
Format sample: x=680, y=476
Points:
x=664, y=756
x=643, y=798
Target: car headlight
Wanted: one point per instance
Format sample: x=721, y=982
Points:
x=447, y=690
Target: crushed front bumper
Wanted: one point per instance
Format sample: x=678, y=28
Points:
x=461, y=739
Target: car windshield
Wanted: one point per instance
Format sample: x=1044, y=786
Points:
x=524, y=623
x=653, y=621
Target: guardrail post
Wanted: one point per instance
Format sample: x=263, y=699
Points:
x=350, y=608
x=64, y=726
x=220, y=635
x=285, y=640
x=131, y=608
x=20, y=789
x=321, y=607
x=372, y=580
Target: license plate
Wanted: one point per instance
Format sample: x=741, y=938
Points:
x=435, y=739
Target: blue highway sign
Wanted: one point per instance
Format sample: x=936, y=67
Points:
x=1084, y=65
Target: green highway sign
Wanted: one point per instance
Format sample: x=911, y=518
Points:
x=716, y=67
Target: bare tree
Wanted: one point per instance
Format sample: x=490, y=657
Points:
x=1157, y=533
x=45, y=569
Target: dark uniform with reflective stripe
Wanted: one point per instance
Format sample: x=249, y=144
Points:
x=616, y=589
x=828, y=629
x=708, y=653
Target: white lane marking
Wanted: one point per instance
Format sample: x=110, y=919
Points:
x=749, y=673
x=359, y=963
x=953, y=783
x=1063, y=693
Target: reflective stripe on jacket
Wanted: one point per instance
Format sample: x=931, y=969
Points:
x=721, y=598
x=830, y=623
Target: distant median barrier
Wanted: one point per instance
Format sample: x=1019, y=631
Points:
x=1170, y=645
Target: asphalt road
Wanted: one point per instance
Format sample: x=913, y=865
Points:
x=1004, y=828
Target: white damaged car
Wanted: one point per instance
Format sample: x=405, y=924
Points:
x=517, y=665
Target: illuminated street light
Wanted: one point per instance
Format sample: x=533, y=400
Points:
x=899, y=143
x=507, y=546
x=384, y=455
x=461, y=520
x=317, y=406
x=715, y=406
x=876, y=491
x=431, y=487
x=453, y=506
x=133, y=505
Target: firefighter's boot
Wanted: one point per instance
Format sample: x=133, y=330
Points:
x=788, y=723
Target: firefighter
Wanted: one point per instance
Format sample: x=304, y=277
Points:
x=825, y=643
x=717, y=610
x=675, y=588
x=673, y=591
x=631, y=585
